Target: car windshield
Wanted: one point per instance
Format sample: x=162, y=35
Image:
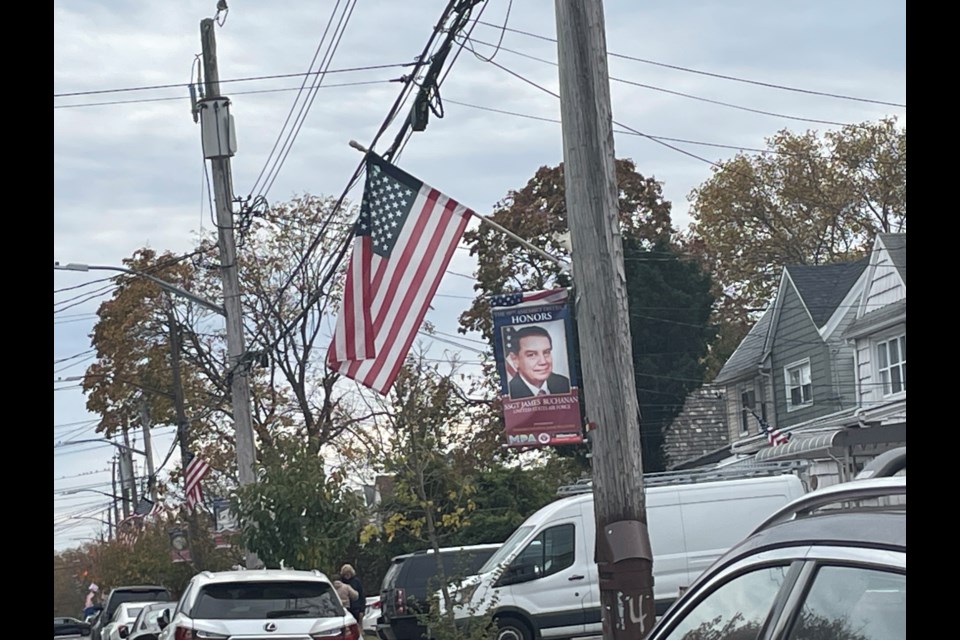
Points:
x=271, y=599
x=506, y=549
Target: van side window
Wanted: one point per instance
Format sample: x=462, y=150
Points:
x=551, y=551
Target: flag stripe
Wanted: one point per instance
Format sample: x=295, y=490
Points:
x=417, y=301
x=396, y=267
x=392, y=269
x=398, y=335
x=407, y=232
x=406, y=313
x=196, y=469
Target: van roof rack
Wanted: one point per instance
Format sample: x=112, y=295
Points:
x=775, y=468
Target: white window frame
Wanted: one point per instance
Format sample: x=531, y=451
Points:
x=802, y=366
x=885, y=367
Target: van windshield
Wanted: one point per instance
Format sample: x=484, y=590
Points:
x=506, y=549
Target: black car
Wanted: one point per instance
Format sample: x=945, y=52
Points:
x=412, y=578
x=832, y=564
x=119, y=595
x=66, y=626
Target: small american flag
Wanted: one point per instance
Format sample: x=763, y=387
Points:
x=774, y=436
x=527, y=298
x=196, y=469
x=403, y=241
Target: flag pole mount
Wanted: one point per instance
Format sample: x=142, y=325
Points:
x=564, y=265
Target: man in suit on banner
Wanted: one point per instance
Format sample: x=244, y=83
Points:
x=530, y=353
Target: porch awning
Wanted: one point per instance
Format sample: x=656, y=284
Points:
x=834, y=442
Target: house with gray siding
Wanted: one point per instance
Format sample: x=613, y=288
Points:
x=832, y=364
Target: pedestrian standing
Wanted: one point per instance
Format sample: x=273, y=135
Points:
x=358, y=604
x=90, y=603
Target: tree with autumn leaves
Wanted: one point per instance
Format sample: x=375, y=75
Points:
x=809, y=198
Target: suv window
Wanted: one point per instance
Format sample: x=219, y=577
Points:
x=736, y=609
x=391, y=577
x=854, y=602
x=270, y=599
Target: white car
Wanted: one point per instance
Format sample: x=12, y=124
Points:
x=123, y=618
x=370, y=616
x=258, y=603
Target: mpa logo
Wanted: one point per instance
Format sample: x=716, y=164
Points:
x=544, y=438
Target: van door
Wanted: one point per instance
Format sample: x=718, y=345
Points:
x=591, y=590
x=668, y=543
x=547, y=580
x=717, y=515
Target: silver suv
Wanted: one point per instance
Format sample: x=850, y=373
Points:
x=264, y=604
x=831, y=564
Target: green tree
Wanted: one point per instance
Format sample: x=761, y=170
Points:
x=669, y=295
x=809, y=199
x=297, y=513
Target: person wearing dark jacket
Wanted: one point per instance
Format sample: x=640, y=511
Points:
x=358, y=605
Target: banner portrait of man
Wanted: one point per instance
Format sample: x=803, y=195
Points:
x=533, y=345
x=530, y=352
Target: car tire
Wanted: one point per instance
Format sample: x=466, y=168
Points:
x=512, y=628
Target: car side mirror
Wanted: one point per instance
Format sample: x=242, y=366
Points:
x=123, y=632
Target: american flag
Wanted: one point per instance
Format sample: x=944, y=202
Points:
x=196, y=469
x=774, y=436
x=404, y=239
x=128, y=531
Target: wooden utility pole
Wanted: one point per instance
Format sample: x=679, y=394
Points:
x=148, y=448
x=179, y=406
x=624, y=559
x=128, y=483
x=218, y=146
x=116, y=508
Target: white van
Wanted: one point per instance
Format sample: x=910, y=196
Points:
x=542, y=582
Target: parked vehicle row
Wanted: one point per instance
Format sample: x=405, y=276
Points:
x=107, y=620
x=544, y=577
x=754, y=557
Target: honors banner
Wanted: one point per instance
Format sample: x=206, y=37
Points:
x=533, y=338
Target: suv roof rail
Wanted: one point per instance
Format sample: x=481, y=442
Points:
x=836, y=495
x=775, y=468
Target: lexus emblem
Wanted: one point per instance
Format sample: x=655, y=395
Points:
x=270, y=626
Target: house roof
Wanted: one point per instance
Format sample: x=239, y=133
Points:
x=896, y=246
x=749, y=352
x=822, y=287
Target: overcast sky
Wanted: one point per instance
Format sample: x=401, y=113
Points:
x=128, y=169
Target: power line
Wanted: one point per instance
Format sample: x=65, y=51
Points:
x=677, y=93
x=180, y=85
x=712, y=74
x=235, y=93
